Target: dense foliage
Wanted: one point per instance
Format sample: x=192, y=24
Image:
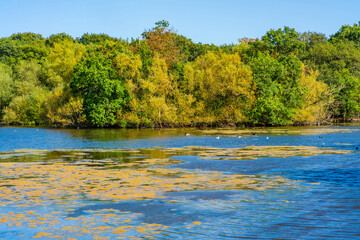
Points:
x=165, y=79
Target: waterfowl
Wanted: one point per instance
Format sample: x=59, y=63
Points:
x=187, y=134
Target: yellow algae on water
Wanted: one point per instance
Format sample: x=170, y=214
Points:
x=42, y=234
x=117, y=184
x=254, y=152
x=66, y=186
x=67, y=228
x=102, y=228
x=57, y=236
x=276, y=131
x=120, y=229
x=22, y=205
x=140, y=229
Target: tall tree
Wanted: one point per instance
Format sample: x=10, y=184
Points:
x=278, y=91
x=103, y=91
x=222, y=86
x=162, y=40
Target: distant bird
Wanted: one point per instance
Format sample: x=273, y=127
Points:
x=239, y=136
x=254, y=134
x=323, y=144
x=187, y=134
x=217, y=137
x=267, y=137
x=320, y=137
x=357, y=148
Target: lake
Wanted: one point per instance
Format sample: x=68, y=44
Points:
x=260, y=183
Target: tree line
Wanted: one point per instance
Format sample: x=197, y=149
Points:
x=164, y=79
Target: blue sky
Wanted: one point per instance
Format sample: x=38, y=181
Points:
x=206, y=21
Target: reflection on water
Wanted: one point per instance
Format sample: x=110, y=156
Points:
x=52, y=139
x=282, y=183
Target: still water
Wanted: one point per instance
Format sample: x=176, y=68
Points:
x=264, y=183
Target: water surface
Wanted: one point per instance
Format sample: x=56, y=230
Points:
x=277, y=183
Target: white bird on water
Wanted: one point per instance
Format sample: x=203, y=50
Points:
x=217, y=137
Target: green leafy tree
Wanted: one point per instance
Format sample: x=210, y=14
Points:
x=96, y=38
x=283, y=41
x=26, y=106
x=9, y=51
x=22, y=46
x=278, y=91
x=348, y=98
x=189, y=50
x=338, y=64
x=26, y=37
x=26, y=109
x=7, y=87
x=146, y=56
x=27, y=76
x=31, y=46
x=104, y=92
x=59, y=38
x=312, y=38
x=348, y=33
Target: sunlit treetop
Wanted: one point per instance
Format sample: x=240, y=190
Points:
x=349, y=33
x=26, y=37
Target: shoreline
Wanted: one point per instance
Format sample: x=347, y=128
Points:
x=334, y=124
